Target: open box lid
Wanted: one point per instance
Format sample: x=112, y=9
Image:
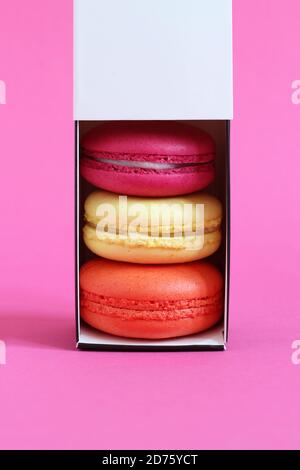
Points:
x=152, y=59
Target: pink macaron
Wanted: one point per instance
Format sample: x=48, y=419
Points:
x=148, y=158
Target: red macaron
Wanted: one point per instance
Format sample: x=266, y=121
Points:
x=148, y=158
x=150, y=301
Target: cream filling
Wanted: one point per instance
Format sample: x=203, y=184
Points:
x=146, y=165
x=209, y=227
x=145, y=240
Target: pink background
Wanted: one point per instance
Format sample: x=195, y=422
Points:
x=52, y=396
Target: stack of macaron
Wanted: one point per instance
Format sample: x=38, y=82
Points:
x=151, y=226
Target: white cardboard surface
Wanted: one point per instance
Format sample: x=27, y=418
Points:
x=152, y=59
x=212, y=337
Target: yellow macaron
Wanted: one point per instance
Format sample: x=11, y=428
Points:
x=152, y=230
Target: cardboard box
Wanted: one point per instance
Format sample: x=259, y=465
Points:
x=155, y=60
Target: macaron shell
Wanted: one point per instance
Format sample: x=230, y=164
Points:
x=151, y=184
x=122, y=206
x=150, y=329
x=143, y=283
x=148, y=138
x=151, y=302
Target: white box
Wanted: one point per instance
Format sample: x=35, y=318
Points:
x=155, y=59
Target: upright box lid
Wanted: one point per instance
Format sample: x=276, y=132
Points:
x=153, y=59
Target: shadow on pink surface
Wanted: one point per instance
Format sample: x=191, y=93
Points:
x=38, y=331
